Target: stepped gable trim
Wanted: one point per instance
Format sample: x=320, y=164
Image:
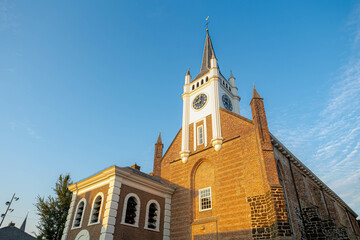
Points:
x=204, y=149
x=279, y=146
x=124, y=173
x=237, y=115
x=171, y=144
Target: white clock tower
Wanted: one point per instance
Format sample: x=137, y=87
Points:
x=203, y=96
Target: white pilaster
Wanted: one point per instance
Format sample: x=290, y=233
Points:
x=167, y=215
x=69, y=216
x=215, y=117
x=185, y=149
x=109, y=218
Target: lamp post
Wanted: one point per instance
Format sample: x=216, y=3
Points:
x=8, y=203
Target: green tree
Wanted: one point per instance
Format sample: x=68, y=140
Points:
x=53, y=210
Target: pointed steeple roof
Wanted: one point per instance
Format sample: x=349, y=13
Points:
x=23, y=225
x=188, y=71
x=208, y=54
x=255, y=93
x=159, y=139
x=231, y=75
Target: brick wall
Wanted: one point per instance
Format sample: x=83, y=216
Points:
x=314, y=213
x=94, y=230
x=124, y=232
x=268, y=215
x=235, y=174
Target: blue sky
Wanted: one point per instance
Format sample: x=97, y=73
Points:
x=88, y=84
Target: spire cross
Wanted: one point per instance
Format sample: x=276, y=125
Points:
x=207, y=23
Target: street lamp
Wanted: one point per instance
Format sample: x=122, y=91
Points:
x=8, y=203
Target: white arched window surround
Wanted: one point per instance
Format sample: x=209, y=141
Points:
x=147, y=215
x=83, y=235
x=82, y=216
x=137, y=210
x=92, y=208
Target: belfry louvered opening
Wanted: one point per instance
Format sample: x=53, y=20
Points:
x=153, y=216
x=131, y=211
x=79, y=214
x=95, y=214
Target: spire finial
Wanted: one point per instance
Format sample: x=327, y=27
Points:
x=207, y=23
x=231, y=75
x=255, y=93
x=188, y=71
x=159, y=139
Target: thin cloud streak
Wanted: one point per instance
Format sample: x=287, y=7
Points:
x=335, y=135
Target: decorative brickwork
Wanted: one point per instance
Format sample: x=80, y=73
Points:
x=268, y=215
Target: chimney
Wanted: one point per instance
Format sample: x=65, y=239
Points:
x=11, y=224
x=135, y=166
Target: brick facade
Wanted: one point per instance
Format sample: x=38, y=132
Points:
x=94, y=230
x=248, y=201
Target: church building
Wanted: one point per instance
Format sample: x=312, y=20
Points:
x=223, y=177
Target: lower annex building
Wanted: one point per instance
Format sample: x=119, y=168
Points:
x=223, y=177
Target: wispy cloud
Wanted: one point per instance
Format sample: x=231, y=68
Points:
x=24, y=127
x=335, y=135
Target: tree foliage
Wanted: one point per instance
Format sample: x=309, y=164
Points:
x=53, y=210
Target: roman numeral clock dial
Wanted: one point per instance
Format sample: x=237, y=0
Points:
x=199, y=101
x=227, y=102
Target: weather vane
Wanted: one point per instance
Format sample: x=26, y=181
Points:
x=207, y=23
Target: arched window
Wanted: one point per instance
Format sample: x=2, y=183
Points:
x=96, y=209
x=197, y=85
x=78, y=218
x=206, y=79
x=202, y=81
x=131, y=210
x=193, y=87
x=152, y=220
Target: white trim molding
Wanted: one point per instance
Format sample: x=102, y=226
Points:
x=68, y=219
x=138, y=204
x=83, y=235
x=158, y=216
x=167, y=215
x=83, y=200
x=111, y=206
x=100, y=194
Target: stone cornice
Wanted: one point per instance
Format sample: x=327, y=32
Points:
x=107, y=174
x=281, y=148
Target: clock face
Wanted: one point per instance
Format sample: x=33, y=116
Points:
x=227, y=103
x=199, y=101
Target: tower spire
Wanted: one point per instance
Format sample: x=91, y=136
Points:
x=158, y=156
x=159, y=139
x=208, y=54
x=23, y=225
x=255, y=93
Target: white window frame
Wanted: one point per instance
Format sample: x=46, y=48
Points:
x=92, y=208
x=147, y=215
x=201, y=121
x=82, y=215
x=137, y=210
x=200, y=139
x=200, y=206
